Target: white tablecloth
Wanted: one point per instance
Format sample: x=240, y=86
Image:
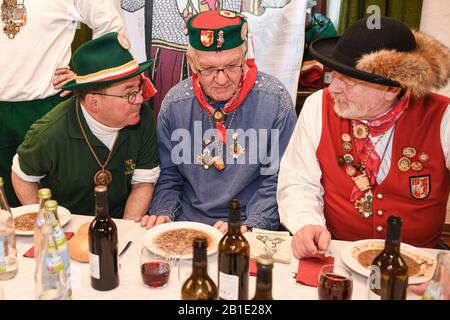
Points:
x=131, y=286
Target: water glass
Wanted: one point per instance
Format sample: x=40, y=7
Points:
x=335, y=283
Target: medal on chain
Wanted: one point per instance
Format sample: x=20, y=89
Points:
x=14, y=16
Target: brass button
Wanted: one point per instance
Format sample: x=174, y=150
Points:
x=380, y=212
x=380, y=196
x=379, y=228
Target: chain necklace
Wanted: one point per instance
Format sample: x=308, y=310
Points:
x=103, y=176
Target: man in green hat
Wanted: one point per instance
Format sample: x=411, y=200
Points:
x=102, y=136
x=221, y=132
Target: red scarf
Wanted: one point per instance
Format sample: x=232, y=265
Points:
x=249, y=73
x=377, y=127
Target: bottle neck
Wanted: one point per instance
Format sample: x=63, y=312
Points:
x=234, y=221
x=4, y=205
x=393, y=238
x=101, y=205
x=199, y=262
x=264, y=281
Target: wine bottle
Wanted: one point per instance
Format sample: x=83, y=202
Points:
x=389, y=272
x=264, y=265
x=234, y=258
x=199, y=286
x=103, y=251
x=44, y=194
x=8, y=253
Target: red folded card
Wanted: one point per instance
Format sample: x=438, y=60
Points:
x=308, y=270
x=253, y=267
x=30, y=253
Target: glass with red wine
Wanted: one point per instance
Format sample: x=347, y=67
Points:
x=335, y=283
x=155, y=268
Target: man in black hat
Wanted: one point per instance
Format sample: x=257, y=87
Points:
x=375, y=143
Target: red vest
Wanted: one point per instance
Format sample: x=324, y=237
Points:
x=423, y=213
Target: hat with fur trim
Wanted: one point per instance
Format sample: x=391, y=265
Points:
x=104, y=61
x=216, y=30
x=391, y=55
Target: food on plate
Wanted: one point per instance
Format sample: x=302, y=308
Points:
x=418, y=265
x=179, y=241
x=79, y=244
x=25, y=222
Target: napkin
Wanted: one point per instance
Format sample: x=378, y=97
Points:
x=308, y=270
x=30, y=252
x=253, y=267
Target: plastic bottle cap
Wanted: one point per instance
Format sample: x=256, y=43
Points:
x=44, y=193
x=51, y=205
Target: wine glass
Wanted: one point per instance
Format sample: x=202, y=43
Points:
x=155, y=268
x=335, y=283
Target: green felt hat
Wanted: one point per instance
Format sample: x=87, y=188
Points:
x=216, y=30
x=104, y=61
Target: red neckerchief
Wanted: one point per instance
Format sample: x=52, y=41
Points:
x=377, y=127
x=249, y=73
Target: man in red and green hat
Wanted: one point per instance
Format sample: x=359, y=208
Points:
x=221, y=132
x=375, y=143
x=104, y=135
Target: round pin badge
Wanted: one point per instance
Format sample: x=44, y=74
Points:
x=227, y=14
x=350, y=170
x=348, y=158
x=347, y=146
x=404, y=164
x=416, y=166
x=341, y=161
x=244, y=31
x=409, y=152
x=123, y=41
x=424, y=157
x=360, y=131
x=346, y=137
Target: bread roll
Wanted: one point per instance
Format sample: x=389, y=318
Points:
x=84, y=228
x=79, y=247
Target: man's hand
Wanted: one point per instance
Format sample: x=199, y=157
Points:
x=309, y=240
x=223, y=227
x=62, y=76
x=150, y=221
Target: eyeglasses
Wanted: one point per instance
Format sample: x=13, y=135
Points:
x=131, y=96
x=227, y=70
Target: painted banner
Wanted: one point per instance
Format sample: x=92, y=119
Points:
x=155, y=29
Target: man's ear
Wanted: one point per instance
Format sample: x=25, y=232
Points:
x=392, y=93
x=91, y=102
x=191, y=63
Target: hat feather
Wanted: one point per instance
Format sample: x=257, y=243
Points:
x=419, y=71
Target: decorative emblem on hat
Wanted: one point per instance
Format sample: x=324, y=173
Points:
x=227, y=14
x=220, y=40
x=207, y=37
x=123, y=41
x=244, y=31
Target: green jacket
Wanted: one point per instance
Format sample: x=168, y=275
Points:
x=54, y=146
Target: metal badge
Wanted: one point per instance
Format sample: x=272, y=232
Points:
x=416, y=166
x=364, y=205
x=220, y=40
x=404, y=164
x=341, y=161
x=348, y=158
x=347, y=146
x=236, y=150
x=14, y=16
x=360, y=131
x=362, y=182
x=219, y=116
x=409, y=152
x=350, y=170
x=423, y=157
x=346, y=137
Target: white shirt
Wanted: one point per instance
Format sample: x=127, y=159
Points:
x=29, y=61
x=299, y=191
x=107, y=135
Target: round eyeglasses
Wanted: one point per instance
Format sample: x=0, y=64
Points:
x=131, y=96
x=227, y=70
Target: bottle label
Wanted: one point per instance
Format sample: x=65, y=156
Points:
x=229, y=286
x=374, y=282
x=2, y=255
x=94, y=262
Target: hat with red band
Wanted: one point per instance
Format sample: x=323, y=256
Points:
x=104, y=61
x=216, y=30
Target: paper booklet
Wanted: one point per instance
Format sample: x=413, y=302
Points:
x=275, y=243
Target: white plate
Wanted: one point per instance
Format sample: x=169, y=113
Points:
x=154, y=232
x=63, y=214
x=349, y=256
